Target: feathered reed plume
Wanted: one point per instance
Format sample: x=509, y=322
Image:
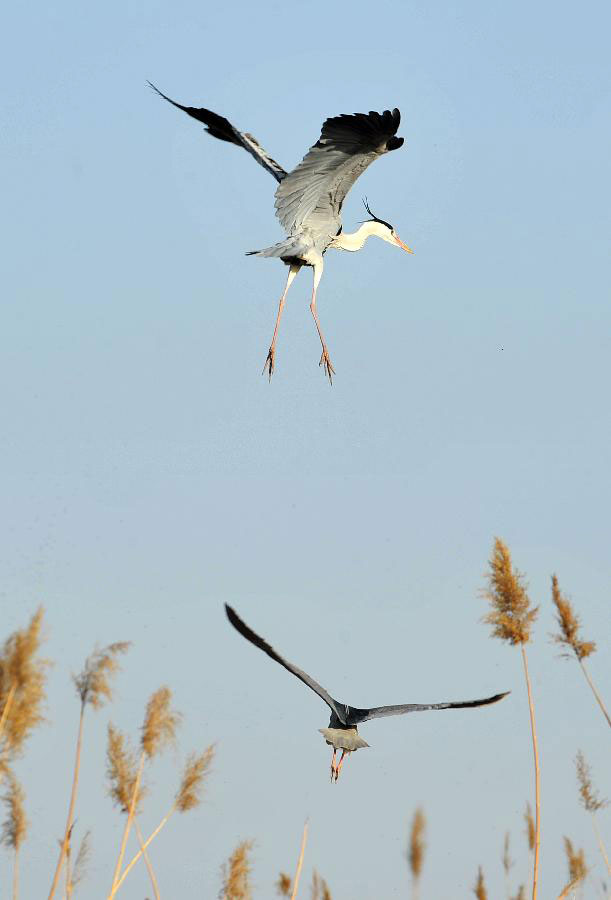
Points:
x=158, y=730
x=512, y=618
x=283, y=885
x=122, y=770
x=530, y=828
x=82, y=861
x=590, y=800
x=416, y=848
x=93, y=688
x=577, y=868
x=15, y=825
x=507, y=861
x=22, y=686
x=480, y=888
x=568, y=636
x=320, y=888
x=236, y=874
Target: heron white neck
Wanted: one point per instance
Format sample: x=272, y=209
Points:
x=355, y=240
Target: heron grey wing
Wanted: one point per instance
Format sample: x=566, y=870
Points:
x=221, y=128
x=262, y=644
x=378, y=711
x=313, y=193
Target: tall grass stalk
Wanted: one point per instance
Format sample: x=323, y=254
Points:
x=304, y=840
x=512, y=618
x=568, y=636
x=147, y=861
x=93, y=688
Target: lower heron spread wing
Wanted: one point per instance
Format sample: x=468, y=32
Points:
x=259, y=642
x=312, y=194
x=222, y=129
x=362, y=715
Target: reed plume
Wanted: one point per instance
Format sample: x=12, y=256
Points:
x=521, y=895
x=530, y=828
x=15, y=825
x=577, y=868
x=22, y=687
x=480, y=888
x=236, y=874
x=591, y=801
x=507, y=861
x=188, y=797
x=158, y=730
x=415, y=850
x=320, y=888
x=568, y=636
x=283, y=885
x=75, y=876
x=512, y=618
x=93, y=689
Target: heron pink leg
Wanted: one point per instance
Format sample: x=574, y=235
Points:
x=341, y=762
x=333, y=765
x=325, y=361
x=269, y=362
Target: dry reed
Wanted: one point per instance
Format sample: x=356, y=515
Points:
x=320, y=888
x=93, y=688
x=283, y=885
x=568, y=636
x=590, y=801
x=304, y=841
x=416, y=848
x=22, y=687
x=236, y=874
x=507, y=861
x=512, y=618
x=577, y=868
x=480, y=888
x=15, y=825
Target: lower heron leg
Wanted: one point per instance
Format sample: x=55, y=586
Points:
x=269, y=362
x=341, y=762
x=324, y=359
x=333, y=766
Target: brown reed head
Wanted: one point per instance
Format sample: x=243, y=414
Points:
x=530, y=828
x=15, y=825
x=576, y=861
x=160, y=723
x=284, y=885
x=417, y=846
x=320, y=888
x=93, y=683
x=480, y=888
x=507, y=860
x=590, y=800
x=122, y=769
x=236, y=874
x=511, y=615
x=569, y=624
x=196, y=769
x=22, y=684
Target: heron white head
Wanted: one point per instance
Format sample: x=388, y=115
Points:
x=383, y=230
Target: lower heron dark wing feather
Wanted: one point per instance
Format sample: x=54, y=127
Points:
x=221, y=128
x=376, y=712
x=262, y=644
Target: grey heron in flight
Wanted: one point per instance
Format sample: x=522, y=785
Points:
x=309, y=199
x=342, y=733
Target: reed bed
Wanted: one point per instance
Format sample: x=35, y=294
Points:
x=23, y=677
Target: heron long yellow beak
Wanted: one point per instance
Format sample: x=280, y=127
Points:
x=400, y=243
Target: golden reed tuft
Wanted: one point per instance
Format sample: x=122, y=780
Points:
x=22, y=686
x=236, y=874
x=512, y=616
x=160, y=723
x=93, y=683
x=192, y=782
x=480, y=888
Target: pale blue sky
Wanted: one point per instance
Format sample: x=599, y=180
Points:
x=151, y=473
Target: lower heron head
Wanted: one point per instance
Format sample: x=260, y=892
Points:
x=384, y=230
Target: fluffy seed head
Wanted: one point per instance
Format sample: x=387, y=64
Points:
x=530, y=828
x=576, y=861
x=15, y=825
x=22, y=685
x=320, y=888
x=480, y=888
x=122, y=769
x=569, y=624
x=93, y=683
x=236, y=874
x=417, y=846
x=160, y=723
x=191, y=785
x=511, y=616
x=283, y=885
x=590, y=801
x=507, y=860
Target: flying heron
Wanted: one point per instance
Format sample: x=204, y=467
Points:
x=342, y=733
x=309, y=199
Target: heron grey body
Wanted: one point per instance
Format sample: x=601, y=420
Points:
x=342, y=733
x=309, y=199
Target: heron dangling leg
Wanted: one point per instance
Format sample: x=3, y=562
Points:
x=325, y=361
x=341, y=762
x=333, y=765
x=269, y=362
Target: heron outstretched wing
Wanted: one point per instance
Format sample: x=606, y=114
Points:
x=311, y=196
x=259, y=642
x=376, y=712
x=222, y=129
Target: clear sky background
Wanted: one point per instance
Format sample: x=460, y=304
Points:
x=150, y=473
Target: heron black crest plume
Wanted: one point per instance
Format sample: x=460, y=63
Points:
x=375, y=218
